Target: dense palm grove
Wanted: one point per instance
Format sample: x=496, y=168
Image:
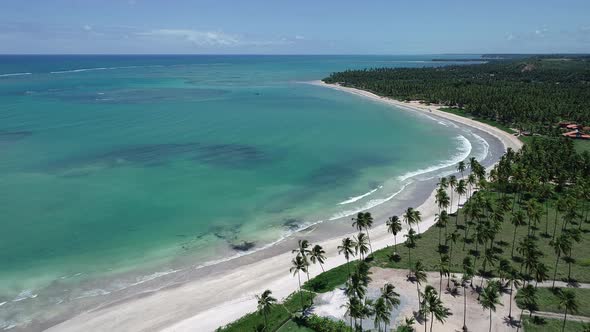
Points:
x=533, y=94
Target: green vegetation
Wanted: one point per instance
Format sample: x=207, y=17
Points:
x=582, y=146
x=548, y=300
x=278, y=315
x=463, y=113
x=532, y=94
x=552, y=325
x=293, y=326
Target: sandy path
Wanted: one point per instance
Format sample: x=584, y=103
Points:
x=207, y=303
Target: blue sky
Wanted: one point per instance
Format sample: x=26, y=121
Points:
x=294, y=27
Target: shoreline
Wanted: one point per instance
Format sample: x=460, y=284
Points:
x=214, y=299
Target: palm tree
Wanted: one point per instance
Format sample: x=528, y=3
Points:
x=410, y=244
x=299, y=265
x=489, y=299
x=318, y=255
x=362, y=245
x=303, y=251
x=452, y=239
x=352, y=308
x=527, y=299
x=461, y=190
x=434, y=305
x=364, y=221
x=452, y=185
x=442, y=199
x=420, y=276
x=407, y=325
x=381, y=314
x=443, y=270
x=471, y=181
x=513, y=278
x=443, y=183
x=567, y=301
x=394, y=226
x=265, y=303
x=540, y=273
x=517, y=221
x=348, y=249
x=461, y=167
x=561, y=245
x=464, y=280
x=412, y=216
x=390, y=296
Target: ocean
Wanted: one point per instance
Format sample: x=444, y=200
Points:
x=117, y=170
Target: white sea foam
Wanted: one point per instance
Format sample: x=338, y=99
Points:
x=80, y=70
x=356, y=198
x=370, y=204
x=464, y=151
x=92, y=293
x=2, y=303
x=486, y=146
x=15, y=74
x=24, y=295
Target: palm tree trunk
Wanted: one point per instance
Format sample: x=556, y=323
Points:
x=514, y=240
x=409, y=260
x=431, y=320
x=322, y=267
x=300, y=293
x=265, y=321
x=564, y=321
x=490, y=319
x=555, y=271
x=464, y=308
x=555, y=225
x=418, y=290
x=369, y=238
x=510, y=310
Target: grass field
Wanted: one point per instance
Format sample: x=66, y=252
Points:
x=292, y=326
x=427, y=250
x=552, y=325
x=278, y=316
x=582, y=145
x=547, y=300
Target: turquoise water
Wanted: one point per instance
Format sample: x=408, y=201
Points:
x=118, y=162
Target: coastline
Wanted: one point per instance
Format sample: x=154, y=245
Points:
x=223, y=296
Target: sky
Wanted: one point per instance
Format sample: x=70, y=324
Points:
x=293, y=27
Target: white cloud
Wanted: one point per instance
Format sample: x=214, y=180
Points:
x=298, y=37
x=200, y=38
x=510, y=36
x=87, y=27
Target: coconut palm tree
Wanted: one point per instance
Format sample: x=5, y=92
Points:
x=561, y=245
x=318, y=255
x=412, y=216
x=443, y=183
x=461, y=190
x=513, y=278
x=390, y=296
x=567, y=302
x=364, y=221
x=347, y=248
x=442, y=199
x=517, y=220
x=407, y=326
x=471, y=181
x=452, y=239
x=489, y=299
x=461, y=167
x=527, y=299
x=303, y=251
x=433, y=304
x=382, y=313
x=443, y=270
x=265, y=304
x=452, y=186
x=299, y=265
x=540, y=271
x=410, y=244
x=420, y=276
x=464, y=281
x=394, y=226
x=362, y=245
x=352, y=308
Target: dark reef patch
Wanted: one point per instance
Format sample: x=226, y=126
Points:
x=243, y=246
x=292, y=224
x=14, y=136
x=154, y=155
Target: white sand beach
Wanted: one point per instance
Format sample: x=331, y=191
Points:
x=222, y=297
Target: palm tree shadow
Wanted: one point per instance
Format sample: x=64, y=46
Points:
x=511, y=322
